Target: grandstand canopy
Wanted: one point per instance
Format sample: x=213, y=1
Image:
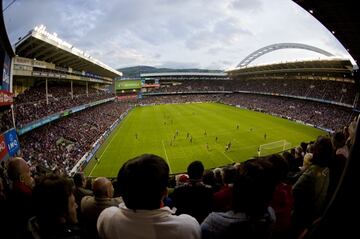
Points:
x=333, y=67
x=40, y=45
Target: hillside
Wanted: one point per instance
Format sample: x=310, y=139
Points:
x=135, y=71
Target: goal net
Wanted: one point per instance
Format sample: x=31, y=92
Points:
x=273, y=147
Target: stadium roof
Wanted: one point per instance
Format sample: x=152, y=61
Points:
x=161, y=74
x=41, y=45
x=333, y=66
x=341, y=18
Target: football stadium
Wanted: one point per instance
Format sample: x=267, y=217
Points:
x=259, y=150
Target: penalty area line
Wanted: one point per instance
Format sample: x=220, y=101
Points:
x=224, y=154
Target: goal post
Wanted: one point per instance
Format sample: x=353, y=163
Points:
x=273, y=147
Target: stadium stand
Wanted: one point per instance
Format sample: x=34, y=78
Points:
x=60, y=145
x=327, y=101
x=326, y=80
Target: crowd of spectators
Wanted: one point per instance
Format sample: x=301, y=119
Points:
x=32, y=105
x=319, y=114
x=59, y=145
x=5, y=119
x=336, y=91
x=172, y=99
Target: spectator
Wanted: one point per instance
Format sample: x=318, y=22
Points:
x=92, y=206
x=339, y=144
x=311, y=188
x=19, y=197
x=306, y=162
x=193, y=197
x=143, y=185
x=282, y=200
x=222, y=200
x=55, y=210
x=338, y=162
x=80, y=192
x=251, y=216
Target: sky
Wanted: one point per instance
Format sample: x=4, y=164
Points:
x=210, y=34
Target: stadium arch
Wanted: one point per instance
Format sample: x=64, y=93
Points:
x=278, y=46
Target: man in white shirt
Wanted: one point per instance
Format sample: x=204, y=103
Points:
x=143, y=185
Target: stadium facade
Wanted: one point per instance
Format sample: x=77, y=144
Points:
x=46, y=71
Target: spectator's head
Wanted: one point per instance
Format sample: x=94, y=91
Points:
x=181, y=179
x=323, y=152
x=352, y=131
x=103, y=188
x=237, y=166
x=307, y=161
x=209, y=178
x=303, y=145
x=310, y=148
x=219, y=175
x=143, y=181
x=19, y=171
x=292, y=151
x=289, y=157
x=79, y=180
x=338, y=140
x=298, y=152
x=253, y=187
x=280, y=167
x=54, y=201
x=195, y=170
x=229, y=174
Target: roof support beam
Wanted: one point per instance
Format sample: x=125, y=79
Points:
x=44, y=53
x=46, y=58
x=23, y=47
x=58, y=60
x=34, y=49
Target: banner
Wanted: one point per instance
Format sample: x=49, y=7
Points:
x=3, y=148
x=6, y=98
x=12, y=142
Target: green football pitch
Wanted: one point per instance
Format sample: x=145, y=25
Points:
x=182, y=133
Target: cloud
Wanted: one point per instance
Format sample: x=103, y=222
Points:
x=179, y=65
x=202, y=33
x=245, y=5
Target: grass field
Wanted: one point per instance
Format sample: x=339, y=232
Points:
x=155, y=127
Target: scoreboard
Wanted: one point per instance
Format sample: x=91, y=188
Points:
x=128, y=84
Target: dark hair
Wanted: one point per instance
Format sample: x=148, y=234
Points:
x=253, y=187
x=287, y=156
x=13, y=169
x=280, y=167
x=209, y=178
x=142, y=181
x=339, y=139
x=323, y=152
x=78, y=179
x=195, y=170
x=303, y=146
x=229, y=174
x=51, y=198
